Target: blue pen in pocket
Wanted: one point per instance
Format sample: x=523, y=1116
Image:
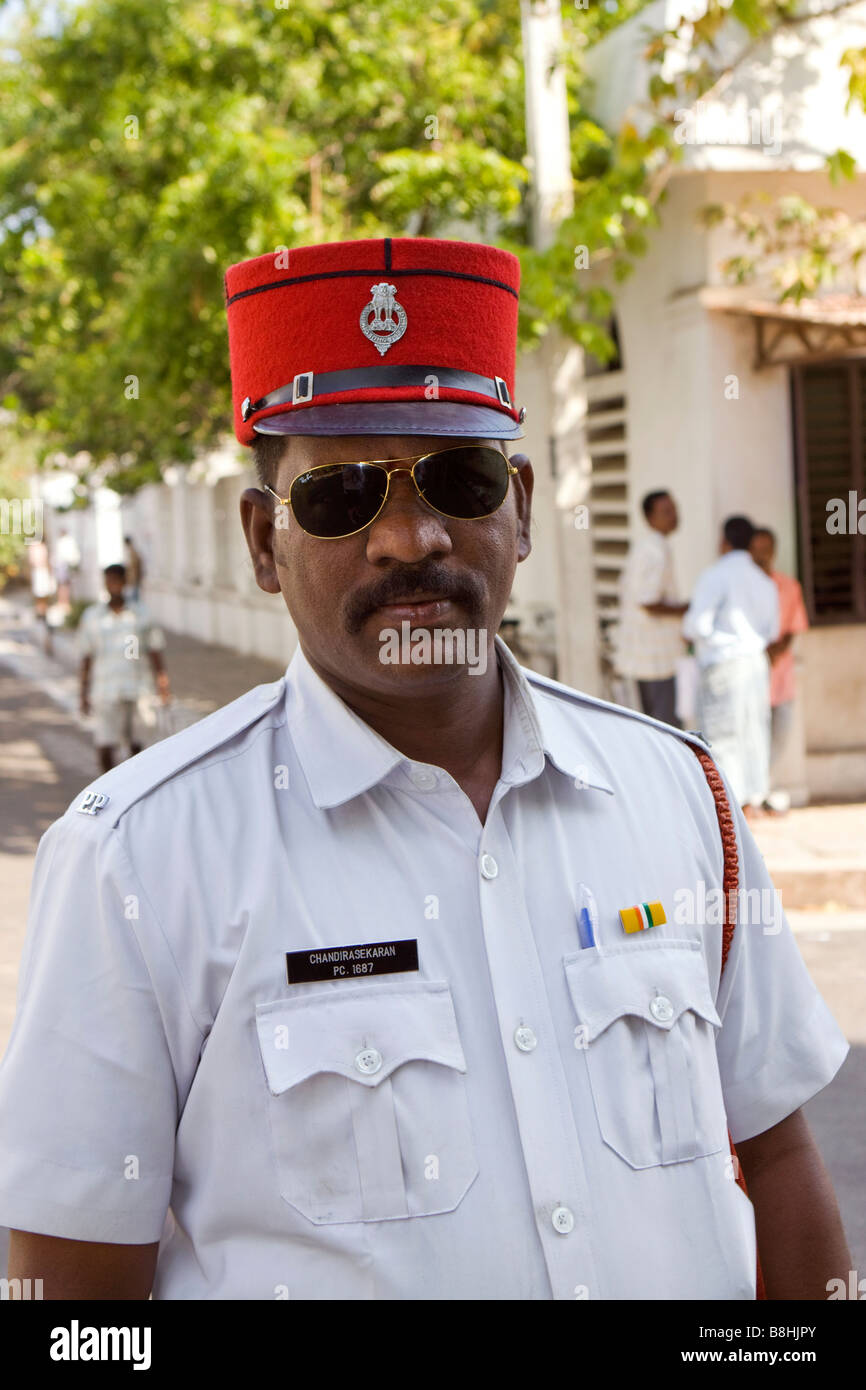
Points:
x=587, y=918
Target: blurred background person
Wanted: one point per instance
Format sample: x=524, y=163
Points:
x=42, y=586
x=648, y=640
x=732, y=619
x=113, y=637
x=134, y=568
x=783, y=680
x=66, y=559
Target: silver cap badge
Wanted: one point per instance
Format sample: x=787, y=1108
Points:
x=383, y=329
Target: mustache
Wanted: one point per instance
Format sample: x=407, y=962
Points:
x=400, y=584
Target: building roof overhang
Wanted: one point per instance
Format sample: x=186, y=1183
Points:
x=815, y=330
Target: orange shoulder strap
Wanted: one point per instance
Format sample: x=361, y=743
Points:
x=730, y=884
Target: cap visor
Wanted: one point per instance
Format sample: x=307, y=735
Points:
x=395, y=417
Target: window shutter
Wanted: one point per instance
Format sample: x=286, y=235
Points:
x=829, y=400
x=607, y=444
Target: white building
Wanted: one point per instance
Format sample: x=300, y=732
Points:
x=732, y=402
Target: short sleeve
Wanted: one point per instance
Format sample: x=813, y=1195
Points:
x=774, y=615
x=699, y=617
x=649, y=576
x=102, y=1051
x=779, y=1044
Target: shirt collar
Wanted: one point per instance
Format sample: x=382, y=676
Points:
x=342, y=756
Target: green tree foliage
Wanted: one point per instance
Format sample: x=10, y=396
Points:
x=148, y=146
x=15, y=469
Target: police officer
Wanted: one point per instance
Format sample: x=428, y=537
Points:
x=403, y=977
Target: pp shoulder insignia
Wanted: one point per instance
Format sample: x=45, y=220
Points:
x=114, y=792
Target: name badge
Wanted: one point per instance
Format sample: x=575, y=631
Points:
x=351, y=962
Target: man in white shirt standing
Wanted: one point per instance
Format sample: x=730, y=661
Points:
x=733, y=617
x=340, y=993
x=111, y=637
x=648, y=641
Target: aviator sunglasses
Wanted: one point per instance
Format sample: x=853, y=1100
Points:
x=335, y=500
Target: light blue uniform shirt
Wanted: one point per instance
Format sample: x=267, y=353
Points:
x=519, y=1119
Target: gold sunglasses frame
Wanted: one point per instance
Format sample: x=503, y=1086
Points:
x=389, y=472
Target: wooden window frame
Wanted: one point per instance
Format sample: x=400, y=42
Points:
x=855, y=370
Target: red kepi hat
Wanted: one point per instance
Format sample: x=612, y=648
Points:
x=403, y=335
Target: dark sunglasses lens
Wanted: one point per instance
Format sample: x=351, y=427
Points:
x=466, y=483
x=331, y=502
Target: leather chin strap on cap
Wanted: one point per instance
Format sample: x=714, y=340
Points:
x=307, y=385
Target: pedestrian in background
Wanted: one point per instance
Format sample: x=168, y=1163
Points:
x=112, y=637
x=67, y=558
x=648, y=641
x=134, y=568
x=42, y=586
x=783, y=680
x=732, y=619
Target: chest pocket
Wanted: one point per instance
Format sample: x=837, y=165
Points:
x=368, y=1109
x=647, y=1030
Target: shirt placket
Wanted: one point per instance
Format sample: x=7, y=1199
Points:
x=548, y=1135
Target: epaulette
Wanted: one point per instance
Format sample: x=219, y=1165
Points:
x=112, y=793
x=690, y=736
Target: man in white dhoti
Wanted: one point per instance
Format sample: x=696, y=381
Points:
x=733, y=616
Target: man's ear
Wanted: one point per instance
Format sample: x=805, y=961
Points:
x=523, y=483
x=259, y=533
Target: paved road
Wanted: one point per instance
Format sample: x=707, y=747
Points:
x=46, y=757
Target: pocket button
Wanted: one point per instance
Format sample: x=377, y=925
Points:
x=661, y=1008
x=563, y=1220
x=525, y=1038
x=368, y=1061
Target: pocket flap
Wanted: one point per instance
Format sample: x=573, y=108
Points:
x=385, y=1026
x=654, y=980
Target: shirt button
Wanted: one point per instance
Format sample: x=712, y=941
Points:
x=489, y=866
x=368, y=1061
x=661, y=1008
x=423, y=778
x=525, y=1038
x=563, y=1220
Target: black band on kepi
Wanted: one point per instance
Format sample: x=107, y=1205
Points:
x=307, y=385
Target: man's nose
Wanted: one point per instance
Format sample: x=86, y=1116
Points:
x=406, y=529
